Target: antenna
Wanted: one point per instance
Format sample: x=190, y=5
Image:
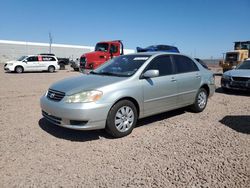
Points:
x=50, y=41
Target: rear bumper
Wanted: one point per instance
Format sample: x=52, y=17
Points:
x=211, y=89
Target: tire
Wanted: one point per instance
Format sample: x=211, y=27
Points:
x=200, y=101
x=121, y=119
x=19, y=69
x=62, y=66
x=51, y=69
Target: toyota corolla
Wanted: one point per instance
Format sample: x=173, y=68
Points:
x=128, y=87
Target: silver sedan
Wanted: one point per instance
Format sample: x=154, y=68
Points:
x=238, y=78
x=126, y=88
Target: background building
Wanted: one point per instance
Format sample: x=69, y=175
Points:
x=10, y=50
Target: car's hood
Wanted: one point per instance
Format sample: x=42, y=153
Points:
x=238, y=73
x=95, y=53
x=85, y=82
x=12, y=62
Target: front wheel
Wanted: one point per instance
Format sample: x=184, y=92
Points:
x=19, y=69
x=121, y=119
x=200, y=101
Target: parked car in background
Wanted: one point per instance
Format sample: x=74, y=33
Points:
x=238, y=78
x=202, y=63
x=75, y=64
x=126, y=88
x=62, y=62
x=32, y=63
x=158, y=48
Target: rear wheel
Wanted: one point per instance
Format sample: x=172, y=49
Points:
x=51, y=69
x=19, y=69
x=200, y=101
x=121, y=119
x=62, y=66
x=225, y=89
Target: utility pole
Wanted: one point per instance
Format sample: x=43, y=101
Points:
x=50, y=42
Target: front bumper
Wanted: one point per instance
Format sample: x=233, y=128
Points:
x=235, y=85
x=9, y=68
x=79, y=116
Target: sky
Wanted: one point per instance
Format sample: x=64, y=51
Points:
x=199, y=28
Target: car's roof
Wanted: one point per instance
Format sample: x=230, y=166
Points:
x=156, y=53
x=39, y=55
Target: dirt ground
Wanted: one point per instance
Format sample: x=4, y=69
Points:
x=173, y=149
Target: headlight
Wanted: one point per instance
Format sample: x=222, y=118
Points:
x=226, y=77
x=84, y=97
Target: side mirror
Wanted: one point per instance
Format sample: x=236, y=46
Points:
x=25, y=61
x=151, y=74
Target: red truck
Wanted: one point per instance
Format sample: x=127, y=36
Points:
x=103, y=52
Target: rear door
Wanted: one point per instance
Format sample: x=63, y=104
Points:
x=160, y=92
x=40, y=64
x=188, y=77
x=47, y=61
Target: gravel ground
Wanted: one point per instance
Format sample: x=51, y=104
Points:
x=173, y=149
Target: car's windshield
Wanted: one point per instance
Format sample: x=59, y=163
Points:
x=102, y=47
x=244, y=65
x=21, y=58
x=125, y=65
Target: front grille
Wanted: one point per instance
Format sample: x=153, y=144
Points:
x=52, y=119
x=240, y=85
x=241, y=79
x=55, y=95
x=82, y=62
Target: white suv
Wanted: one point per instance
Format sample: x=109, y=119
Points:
x=33, y=63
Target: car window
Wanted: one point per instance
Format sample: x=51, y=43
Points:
x=32, y=58
x=47, y=58
x=114, y=48
x=184, y=64
x=102, y=47
x=125, y=65
x=163, y=64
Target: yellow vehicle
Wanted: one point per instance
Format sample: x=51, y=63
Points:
x=241, y=52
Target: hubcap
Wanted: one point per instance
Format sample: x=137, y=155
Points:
x=202, y=99
x=124, y=118
x=19, y=70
